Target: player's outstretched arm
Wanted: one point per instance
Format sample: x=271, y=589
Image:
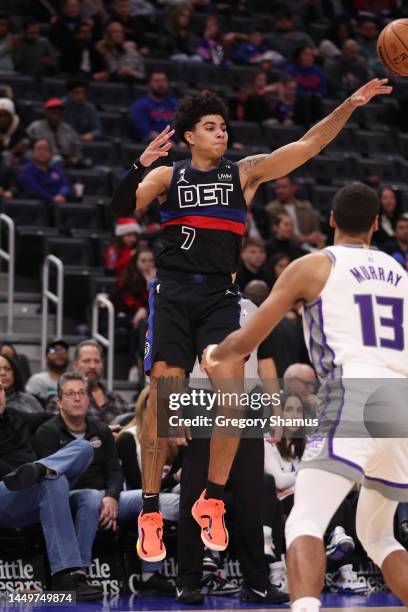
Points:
x=260, y=168
x=154, y=185
x=302, y=279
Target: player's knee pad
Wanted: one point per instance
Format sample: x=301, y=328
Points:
x=378, y=541
x=299, y=525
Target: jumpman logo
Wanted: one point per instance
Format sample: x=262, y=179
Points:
x=182, y=178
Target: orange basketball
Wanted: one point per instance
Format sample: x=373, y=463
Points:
x=392, y=46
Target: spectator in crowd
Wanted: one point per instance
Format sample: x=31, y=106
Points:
x=283, y=238
x=210, y=45
x=6, y=45
x=44, y=11
x=284, y=38
x=141, y=8
x=310, y=78
x=44, y=384
x=81, y=114
x=105, y=405
x=368, y=45
x=34, y=491
x=43, y=179
x=122, y=60
x=94, y=10
x=98, y=493
x=180, y=42
x=252, y=263
x=7, y=177
x=66, y=24
x=81, y=56
x=398, y=248
x=339, y=31
x=130, y=298
x=152, y=112
x=255, y=50
x=300, y=379
x=133, y=27
x=13, y=137
x=348, y=71
x=304, y=217
x=64, y=141
x=33, y=54
x=9, y=350
x=277, y=264
x=390, y=211
x=12, y=383
x=119, y=253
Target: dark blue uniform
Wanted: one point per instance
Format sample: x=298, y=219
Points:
x=192, y=301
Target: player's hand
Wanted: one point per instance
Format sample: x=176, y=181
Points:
x=109, y=513
x=179, y=436
x=205, y=365
x=159, y=147
x=369, y=90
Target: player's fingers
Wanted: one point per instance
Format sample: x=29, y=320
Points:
x=165, y=137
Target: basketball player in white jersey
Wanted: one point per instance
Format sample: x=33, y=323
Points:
x=356, y=323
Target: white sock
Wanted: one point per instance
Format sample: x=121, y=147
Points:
x=306, y=604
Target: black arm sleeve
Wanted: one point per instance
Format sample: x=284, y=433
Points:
x=124, y=200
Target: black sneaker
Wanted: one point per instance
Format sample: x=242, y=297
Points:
x=157, y=585
x=269, y=595
x=24, y=476
x=213, y=584
x=403, y=533
x=210, y=563
x=190, y=596
x=78, y=583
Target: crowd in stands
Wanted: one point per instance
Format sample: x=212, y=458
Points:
x=295, y=62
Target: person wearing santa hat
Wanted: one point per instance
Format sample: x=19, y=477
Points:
x=123, y=246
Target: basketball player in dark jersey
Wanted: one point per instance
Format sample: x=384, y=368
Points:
x=193, y=301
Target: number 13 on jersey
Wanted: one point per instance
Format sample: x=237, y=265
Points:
x=377, y=313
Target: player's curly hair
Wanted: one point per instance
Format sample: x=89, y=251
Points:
x=192, y=107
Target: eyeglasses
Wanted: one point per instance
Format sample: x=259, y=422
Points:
x=54, y=350
x=72, y=394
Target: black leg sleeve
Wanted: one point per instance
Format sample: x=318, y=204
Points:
x=247, y=484
x=193, y=480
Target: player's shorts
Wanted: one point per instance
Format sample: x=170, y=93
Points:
x=364, y=433
x=187, y=312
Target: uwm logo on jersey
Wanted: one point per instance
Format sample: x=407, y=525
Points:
x=205, y=195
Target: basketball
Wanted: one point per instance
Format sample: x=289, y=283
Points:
x=392, y=47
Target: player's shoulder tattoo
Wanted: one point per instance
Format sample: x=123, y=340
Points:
x=245, y=165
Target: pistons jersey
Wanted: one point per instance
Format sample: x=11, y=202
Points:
x=202, y=220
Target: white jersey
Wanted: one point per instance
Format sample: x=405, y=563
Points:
x=358, y=327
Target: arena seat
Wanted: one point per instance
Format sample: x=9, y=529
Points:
x=30, y=213
x=343, y=143
x=201, y=75
x=322, y=197
x=375, y=115
x=130, y=152
x=103, y=153
x=24, y=87
x=71, y=251
x=326, y=168
x=375, y=144
x=169, y=67
x=278, y=135
x=238, y=76
x=112, y=124
x=387, y=171
x=108, y=95
x=84, y=216
x=96, y=182
x=51, y=88
x=30, y=248
x=248, y=133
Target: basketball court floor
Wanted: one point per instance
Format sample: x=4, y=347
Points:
x=380, y=602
